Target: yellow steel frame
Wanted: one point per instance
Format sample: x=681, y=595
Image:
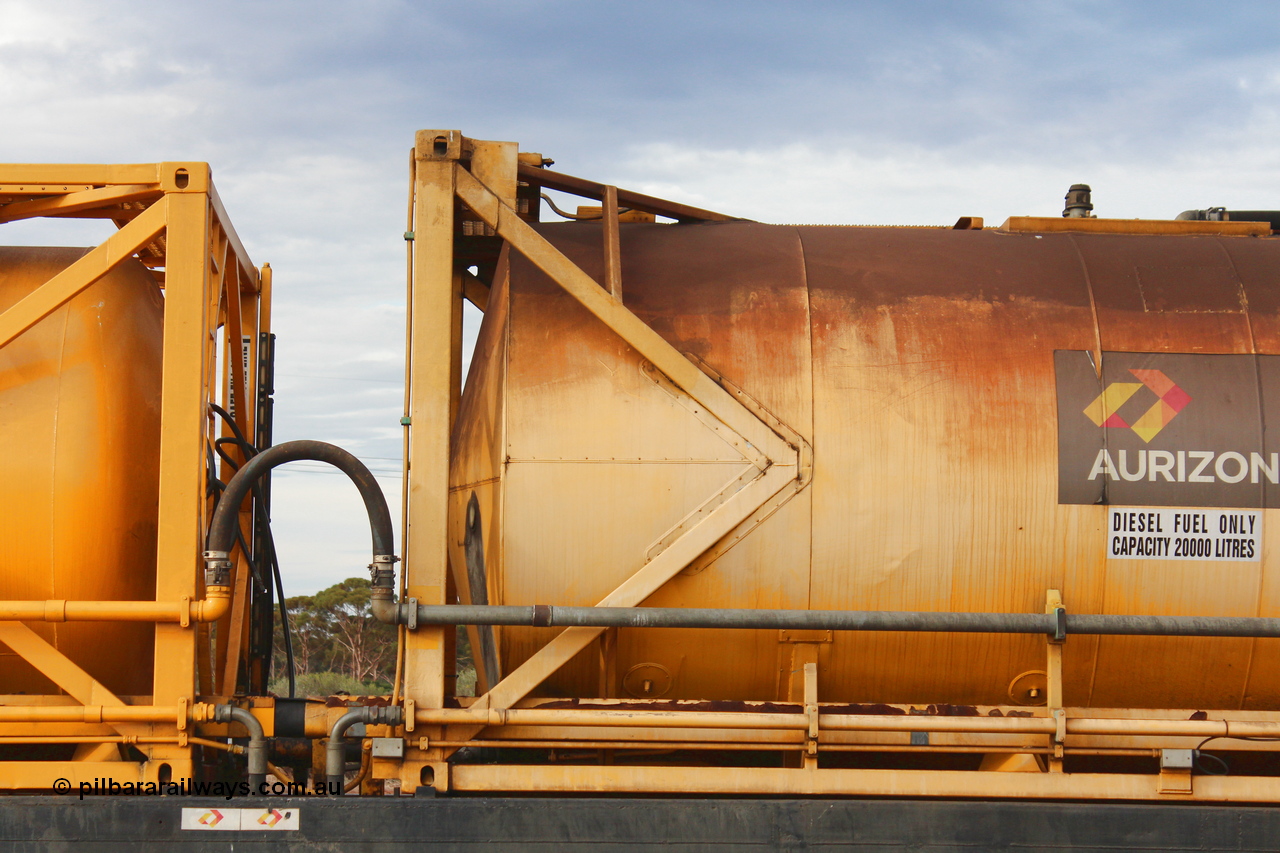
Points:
x=453, y=176
x=170, y=218
x=776, y=466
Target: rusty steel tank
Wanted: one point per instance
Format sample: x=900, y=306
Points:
x=993, y=414
x=79, y=432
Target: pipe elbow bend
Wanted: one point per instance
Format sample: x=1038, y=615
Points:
x=257, y=749
x=216, y=604
x=335, y=759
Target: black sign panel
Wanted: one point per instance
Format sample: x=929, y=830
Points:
x=1168, y=429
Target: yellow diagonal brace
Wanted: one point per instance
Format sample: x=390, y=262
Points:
x=44, y=300
x=633, y=592
x=778, y=462
x=760, y=440
x=60, y=669
x=75, y=202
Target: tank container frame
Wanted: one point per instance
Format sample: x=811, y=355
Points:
x=169, y=218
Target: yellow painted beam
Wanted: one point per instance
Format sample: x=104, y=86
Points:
x=879, y=783
x=75, y=202
x=436, y=312
x=184, y=393
x=58, y=176
x=45, y=299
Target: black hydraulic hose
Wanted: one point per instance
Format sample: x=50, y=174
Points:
x=1057, y=624
x=226, y=457
x=222, y=528
x=269, y=545
x=232, y=425
x=285, y=628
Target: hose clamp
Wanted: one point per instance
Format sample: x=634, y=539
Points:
x=382, y=570
x=217, y=568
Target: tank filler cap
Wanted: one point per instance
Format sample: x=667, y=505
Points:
x=1079, y=202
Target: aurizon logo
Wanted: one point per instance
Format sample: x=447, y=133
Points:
x=1170, y=399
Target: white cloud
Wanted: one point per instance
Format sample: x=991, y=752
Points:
x=807, y=112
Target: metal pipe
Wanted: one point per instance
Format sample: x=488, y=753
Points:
x=636, y=201
x=1221, y=214
x=666, y=746
x=646, y=719
x=211, y=609
x=335, y=757
x=91, y=714
x=1056, y=624
x=257, y=749
x=845, y=722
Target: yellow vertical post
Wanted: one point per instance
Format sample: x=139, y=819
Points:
x=436, y=364
x=182, y=432
x=496, y=165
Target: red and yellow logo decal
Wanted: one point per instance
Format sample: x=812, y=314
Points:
x=1170, y=400
x=271, y=818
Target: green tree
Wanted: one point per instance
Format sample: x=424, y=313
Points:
x=364, y=647
x=334, y=631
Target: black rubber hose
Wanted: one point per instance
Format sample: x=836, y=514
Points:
x=222, y=529
x=285, y=628
x=231, y=423
x=269, y=546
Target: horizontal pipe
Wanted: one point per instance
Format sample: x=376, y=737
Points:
x=705, y=746
x=845, y=722
x=929, y=723
x=90, y=714
x=1221, y=214
x=126, y=739
x=644, y=719
x=847, y=620
x=652, y=746
x=548, y=179
x=185, y=612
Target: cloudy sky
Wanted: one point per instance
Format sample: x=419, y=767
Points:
x=841, y=112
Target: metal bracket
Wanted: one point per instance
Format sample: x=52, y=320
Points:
x=788, y=635
x=1059, y=634
x=387, y=747
x=1175, y=771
